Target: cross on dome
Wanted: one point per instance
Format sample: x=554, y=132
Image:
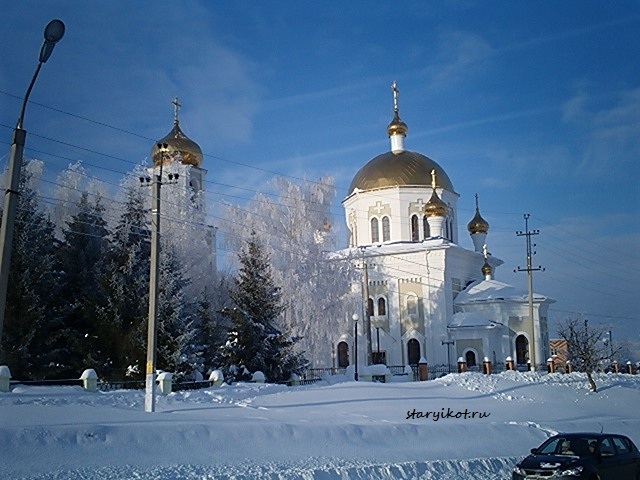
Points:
x=176, y=107
x=394, y=87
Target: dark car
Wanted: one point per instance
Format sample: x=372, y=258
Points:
x=588, y=456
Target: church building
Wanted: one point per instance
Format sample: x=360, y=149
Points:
x=424, y=295
x=177, y=160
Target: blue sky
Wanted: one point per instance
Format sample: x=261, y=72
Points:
x=533, y=105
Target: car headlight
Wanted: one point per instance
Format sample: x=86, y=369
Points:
x=517, y=470
x=569, y=472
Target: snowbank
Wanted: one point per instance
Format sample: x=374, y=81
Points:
x=348, y=430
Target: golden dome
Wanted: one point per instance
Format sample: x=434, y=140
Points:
x=486, y=268
x=478, y=224
x=397, y=126
x=405, y=168
x=435, y=207
x=179, y=147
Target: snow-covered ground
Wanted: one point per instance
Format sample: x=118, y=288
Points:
x=345, y=430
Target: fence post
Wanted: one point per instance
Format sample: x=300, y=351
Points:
x=569, y=366
x=5, y=376
x=615, y=367
x=486, y=366
x=509, y=363
x=89, y=380
x=462, y=365
x=423, y=369
x=629, y=367
x=216, y=378
x=294, y=379
x=164, y=379
x=550, y=365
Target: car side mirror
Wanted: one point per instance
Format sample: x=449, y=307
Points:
x=534, y=451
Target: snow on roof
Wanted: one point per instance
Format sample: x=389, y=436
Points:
x=495, y=291
x=471, y=319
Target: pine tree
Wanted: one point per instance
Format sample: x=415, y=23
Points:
x=31, y=317
x=255, y=342
x=211, y=324
x=125, y=281
x=176, y=351
x=81, y=256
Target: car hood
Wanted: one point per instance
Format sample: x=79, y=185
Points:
x=551, y=462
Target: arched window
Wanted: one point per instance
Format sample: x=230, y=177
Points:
x=375, y=231
x=522, y=350
x=382, y=306
x=425, y=227
x=386, y=229
x=370, y=307
x=470, y=358
x=412, y=305
x=413, y=351
x=343, y=355
x=415, y=233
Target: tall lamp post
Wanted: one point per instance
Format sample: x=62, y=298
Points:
x=355, y=344
x=448, y=343
x=53, y=32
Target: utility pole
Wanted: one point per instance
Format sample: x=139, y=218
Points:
x=535, y=325
x=365, y=305
x=152, y=326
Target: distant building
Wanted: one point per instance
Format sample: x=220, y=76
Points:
x=426, y=295
x=559, y=349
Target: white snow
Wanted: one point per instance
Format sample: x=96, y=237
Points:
x=344, y=430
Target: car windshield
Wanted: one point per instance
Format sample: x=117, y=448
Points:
x=571, y=446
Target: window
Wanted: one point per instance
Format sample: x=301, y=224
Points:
x=375, y=232
x=382, y=306
x=522, y=350
x=425, y=227
x=415, y=234
x=370, y=307
x=412, y=305
x=621, y=445
x=413, y=351
x=606, y=448
x=343, y=355
x=386, y=229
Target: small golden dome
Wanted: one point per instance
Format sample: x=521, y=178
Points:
x=477, y=223
x=435, y=207
x=179, y=148
x=397, y=126
x=486, y=269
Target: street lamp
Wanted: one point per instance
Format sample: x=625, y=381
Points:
x=448, y=344
x=53, y=32
x=355, y=344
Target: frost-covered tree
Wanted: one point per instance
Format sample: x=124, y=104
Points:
x=176, y=348
x=296, y=229
x=81, y=257
x=32, y=321
x=256, y=341
x=585, y=347
x=125, y=280
x=211, y=324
